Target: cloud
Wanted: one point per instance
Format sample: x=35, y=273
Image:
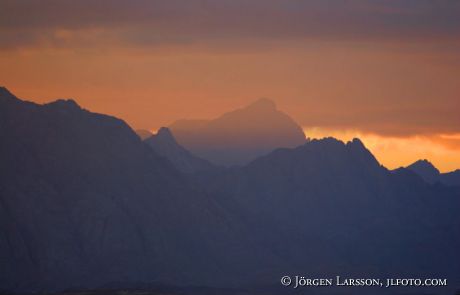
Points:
x=156, y=23
x=397, y=122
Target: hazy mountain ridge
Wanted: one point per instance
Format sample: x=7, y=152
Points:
x=239, y=136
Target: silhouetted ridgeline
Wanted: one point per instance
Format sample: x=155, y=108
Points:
x=85, y=204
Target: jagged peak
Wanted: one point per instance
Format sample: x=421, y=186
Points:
x=424, y=162
x=356, y=143
x=328, y=140
x=165, y=134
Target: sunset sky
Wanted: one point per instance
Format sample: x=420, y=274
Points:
x=386, y=71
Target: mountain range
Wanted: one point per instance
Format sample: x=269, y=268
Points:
x=86, y=204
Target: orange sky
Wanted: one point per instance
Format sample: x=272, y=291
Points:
x=388, y=73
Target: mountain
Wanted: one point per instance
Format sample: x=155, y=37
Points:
x=431, y=174
x=84, y=203
x=164, y=144
x=329, y=208
x=143, y=134
x=426, y=170
x=240, y=136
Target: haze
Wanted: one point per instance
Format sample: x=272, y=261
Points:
x=386, y=71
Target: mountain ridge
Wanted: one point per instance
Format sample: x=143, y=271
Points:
x=334, y=201
x=428, y=172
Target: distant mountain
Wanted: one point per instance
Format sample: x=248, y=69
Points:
x=240, y=136
x=164, y=144
x=431, y=174
x=143, y=134
x=85, y=203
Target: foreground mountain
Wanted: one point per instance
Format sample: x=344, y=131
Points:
x=239, y=136
x=330, y=208
x=84, y=203
x=431, y=174
x=164, y=144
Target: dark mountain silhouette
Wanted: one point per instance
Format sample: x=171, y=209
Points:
x=143, y=134
x=426, y=170
x=239, y=136
x=85, y=203
x=329, y=207
x=164, y=144
x=431, y=174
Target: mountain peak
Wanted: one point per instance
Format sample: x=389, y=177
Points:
x=357, y=144
x=263, y=103
x=328, y=141
x=165, y=133
x=426, y=170
x=239, y=136
x=424, y=163
x=357, y=141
